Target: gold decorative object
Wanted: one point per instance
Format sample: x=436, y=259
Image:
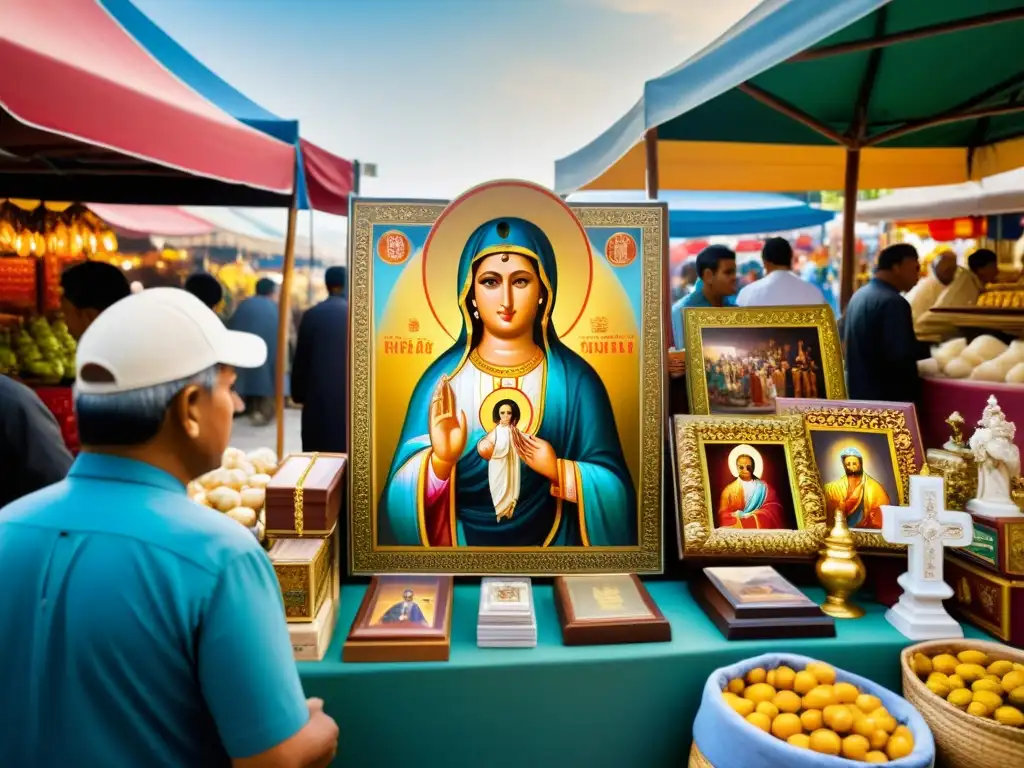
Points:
x=698, y=504
x=959, y=472
x=840, y=571
x=956, y=442
x=1017, y=492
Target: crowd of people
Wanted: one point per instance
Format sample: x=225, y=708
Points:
x=756, y=377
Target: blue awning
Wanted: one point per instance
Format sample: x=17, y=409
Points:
x=768, y=35
x=324, y=178
x=702, y=214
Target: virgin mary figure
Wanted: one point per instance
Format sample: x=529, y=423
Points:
x=574, y=489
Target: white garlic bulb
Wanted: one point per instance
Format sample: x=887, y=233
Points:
x=243, y=515
x=253, y=497
x=224, y=498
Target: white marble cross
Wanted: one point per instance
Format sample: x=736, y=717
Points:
x=927, y=528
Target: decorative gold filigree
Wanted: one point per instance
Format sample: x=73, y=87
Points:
x=364, y=557
x=959, y=473
x=699, y=537
x=890, y=421
x=1015, y=549
x=820, y=318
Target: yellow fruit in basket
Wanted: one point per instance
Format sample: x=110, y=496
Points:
x=787, y=701
x=759, y=692
x=1016, y=696
x=842, y=721
x=973, y=657
x=761, y=721
x=801, y=740
x=902, y=730
x=921, y=664
x=884, y=720
x=735, y=686
x=960, y=698
x=993, y=678
x=855, y=747
x=846, y=693
x=991, y=700
x=1000, y=667
x=742, y=706
x=770, y=679
x=1013, y=680
x=978, y=709
x=824, y=673
x=899, y=746
x=1018, y=667
x=804, y=682
x=987, y=685
x=878, y=739
x=812, y=719
x=786, y=725
x=867, y=703
x=1009, y=716
x=767, y=708
x=955, y=681
x=970, y=672
x=865, y=726
x=945, y=663
x=757, y=675
x=938, y=687
x=875, y=756
x=939, y=677
x=784, y=677
x=826, y=742
x=819, y=697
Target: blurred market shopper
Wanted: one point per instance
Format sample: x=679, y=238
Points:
x=87, y=290
x=146, y=630
x=877, y=330
x=320, y=369
x=780, y=287
x=715, y=287
x=258, y=315
x=963, y=291
x=32, y=450
x=941, y=272
x=206, y=288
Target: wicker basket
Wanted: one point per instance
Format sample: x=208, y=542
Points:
x=697, y=760
x=962, y=740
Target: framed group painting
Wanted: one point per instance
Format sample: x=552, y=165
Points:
x=865, y=453
x=742, y=360
x=747, y=488
x=507, y=369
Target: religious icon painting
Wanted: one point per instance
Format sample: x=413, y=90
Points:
x=747, y=488
x=507, y=366
x=602, y=609
x=865, y=453
x=402, y=618
x=741, y=360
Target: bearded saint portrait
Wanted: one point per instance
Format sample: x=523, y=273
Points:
x=858, y=495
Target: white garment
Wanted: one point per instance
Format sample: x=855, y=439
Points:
x=781, y=288
x=503, y=472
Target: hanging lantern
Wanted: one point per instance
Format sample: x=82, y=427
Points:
x=23, y=244
x=108, y=241
x=7, y=235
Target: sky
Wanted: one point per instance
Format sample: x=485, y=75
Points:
x=445, y=94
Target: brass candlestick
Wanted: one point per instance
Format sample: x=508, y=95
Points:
x=840, y=571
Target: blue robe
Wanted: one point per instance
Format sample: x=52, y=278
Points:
x=394, y=613
x=258, y=315
x=577, y=420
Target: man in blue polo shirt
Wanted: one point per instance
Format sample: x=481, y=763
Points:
x=715, y=287
x=139, y=628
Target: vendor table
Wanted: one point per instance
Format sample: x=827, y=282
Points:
x=940, y=397
x=617, y=706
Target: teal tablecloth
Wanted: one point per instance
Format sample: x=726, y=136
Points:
x=621, y=706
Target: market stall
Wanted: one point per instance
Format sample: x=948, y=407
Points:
x=801, y=95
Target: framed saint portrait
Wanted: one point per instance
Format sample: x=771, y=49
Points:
x=865, y=454
x=747, y=488
x=741, y=360
x=402, y=607
x=506, y=375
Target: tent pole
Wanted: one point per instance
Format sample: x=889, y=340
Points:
x=284, y=316
x=847, y=271
x=651, y=148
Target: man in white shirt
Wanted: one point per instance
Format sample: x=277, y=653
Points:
x=780, y=287
x=923, y=296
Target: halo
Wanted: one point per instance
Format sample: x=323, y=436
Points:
x=506, y=393
x=519, y=199
x=745, y=450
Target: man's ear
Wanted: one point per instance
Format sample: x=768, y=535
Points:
x=185, y=410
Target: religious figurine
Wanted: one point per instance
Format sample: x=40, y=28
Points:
x=956, y=442
x=927, y=528
x=998, y=461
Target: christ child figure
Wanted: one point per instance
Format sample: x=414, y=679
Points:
x=498, y=449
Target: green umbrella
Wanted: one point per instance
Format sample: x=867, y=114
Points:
x=822, y=94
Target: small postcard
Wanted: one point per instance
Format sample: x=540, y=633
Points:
x=756, y=586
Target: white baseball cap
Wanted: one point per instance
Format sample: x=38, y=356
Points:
x=158, y=336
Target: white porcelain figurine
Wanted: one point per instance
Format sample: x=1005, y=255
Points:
x=998, y=461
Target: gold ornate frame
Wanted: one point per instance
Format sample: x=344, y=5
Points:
x=817, y=317
x=869, y=420
x=365, y=557
x=698, y=537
